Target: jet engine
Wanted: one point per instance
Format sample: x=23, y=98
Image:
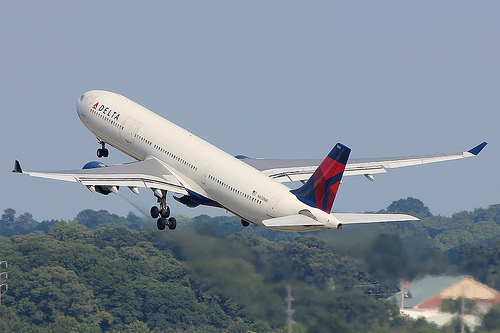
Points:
x=105, y=190
x=93, y=165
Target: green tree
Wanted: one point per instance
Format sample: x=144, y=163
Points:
x=63, y=230
x=491, y=320
x=11, y=225
x=137, y=223
x=8, y=217
x=410, y=206
x=317, y=262
x=460, y=306
x=25, y=220
x=348, y=311
x=137, y=327
x=116, y=237
x=64, y=324
x=387, y=258
x=330, y=323
x=169, y=305
x=95, y=219
x=216, y=276
x=50, y=292
x=236, y=279
x=10, y=321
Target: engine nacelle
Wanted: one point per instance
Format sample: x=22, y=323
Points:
x=93, y=165
x=105, y=190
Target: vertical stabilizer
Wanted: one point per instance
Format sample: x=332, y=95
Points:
x=320, y=190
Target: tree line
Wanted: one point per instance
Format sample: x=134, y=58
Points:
x=107, y=273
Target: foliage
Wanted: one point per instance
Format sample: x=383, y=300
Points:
x=491, y=320
x=410, y=206
x=11, y=225
x=48, y=293
x=98, y=219
x=459, y=305
x=387, y=258
x=103, y=272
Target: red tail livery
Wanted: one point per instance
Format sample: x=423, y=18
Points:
x=320, y=190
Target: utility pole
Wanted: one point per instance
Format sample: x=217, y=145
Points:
x=289, y=298
x=462, y=310
x=401, y=287
x=3, y=277
x=402, y=294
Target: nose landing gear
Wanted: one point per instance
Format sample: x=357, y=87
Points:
x=163, y=212
x=102, y=152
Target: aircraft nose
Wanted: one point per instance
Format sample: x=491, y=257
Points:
x=82, y=104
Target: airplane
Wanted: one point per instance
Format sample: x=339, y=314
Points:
x=169, y=158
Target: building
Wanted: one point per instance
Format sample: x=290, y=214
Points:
x=423, y=297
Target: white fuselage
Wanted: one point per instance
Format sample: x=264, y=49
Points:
x=199, y=166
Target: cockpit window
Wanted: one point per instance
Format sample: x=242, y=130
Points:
x=81, y=98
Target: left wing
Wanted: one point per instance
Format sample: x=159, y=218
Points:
x=149, y=173
x=301, y=170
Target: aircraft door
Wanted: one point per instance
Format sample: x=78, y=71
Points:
x=205, y=175
x=131, y=132
x=272, y=206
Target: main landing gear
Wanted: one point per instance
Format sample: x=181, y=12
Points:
x=102, y=152
x=163, y=212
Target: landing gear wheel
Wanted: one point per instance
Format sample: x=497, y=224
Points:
x=155, y=212
x=165, y=212
x=103, y=151
x=172, y=223
x=161, y=223
x=245, y=223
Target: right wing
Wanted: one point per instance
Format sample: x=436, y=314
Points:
x=149, y=173
x=301, y=170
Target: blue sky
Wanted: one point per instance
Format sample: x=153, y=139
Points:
x=266, y=79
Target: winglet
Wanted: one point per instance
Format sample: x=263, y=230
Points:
x=477, y=149
x=17, y=167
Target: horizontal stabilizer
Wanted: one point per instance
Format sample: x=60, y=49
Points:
x=291, y=221
x=352, y=218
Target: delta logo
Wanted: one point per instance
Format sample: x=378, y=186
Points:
x=106, y=111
